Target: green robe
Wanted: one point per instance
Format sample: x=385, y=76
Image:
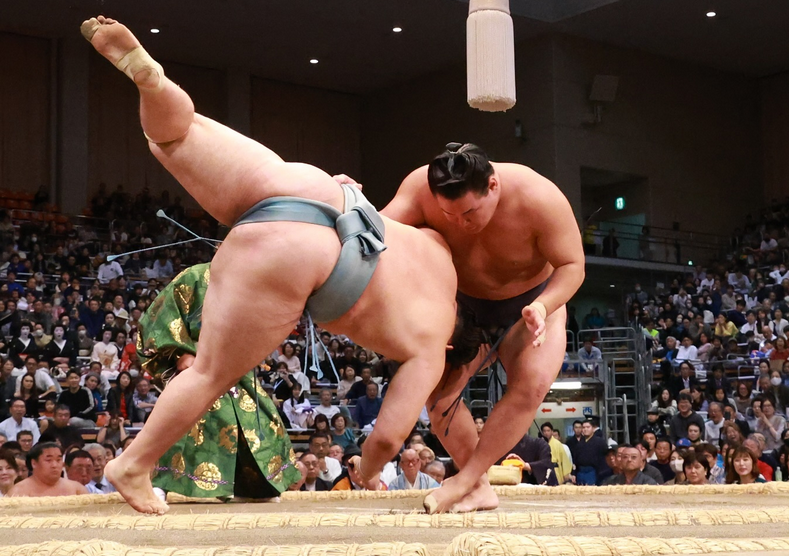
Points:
x=240, y=447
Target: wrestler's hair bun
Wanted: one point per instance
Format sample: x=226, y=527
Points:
x=459, y=169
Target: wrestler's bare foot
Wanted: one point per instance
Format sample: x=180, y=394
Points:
x=482, y=498
x=135, y=487
x=113, y=40
x=453, y=497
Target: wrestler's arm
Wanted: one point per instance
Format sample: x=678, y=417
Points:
x=406, y=207
x=559, y=241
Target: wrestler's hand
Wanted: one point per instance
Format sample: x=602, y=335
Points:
x=534, y=316
x=343, y=179
x=354, y=465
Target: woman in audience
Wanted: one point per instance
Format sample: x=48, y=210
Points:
x=698, y=403
x=92, y=384
x=696, y=469
x=742, y=400
x=129, y=357
x=348, y=379
x=780, y=391
x=665, y=404
x=321, y=424
x=694, y=434
x=335, y=348
x=342, y=435
x=732, y=434
x=719, y=395
x=770, y=425
x=9, y=472
x=297, y=409
x=27, y=391
x=744, y=468
x=121, y=398
x=675, y=461
x=113, y=432
x=704, y=348
x=289, y=357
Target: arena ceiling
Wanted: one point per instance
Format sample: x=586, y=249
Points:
x=358, y=51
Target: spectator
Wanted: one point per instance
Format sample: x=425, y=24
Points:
x=9, y=472
x=312, y=480
x=696, y=468
x=162, y=267
x=336, y=452
x=742, y=400
x=610, y=244
x=698, y=403
x=437, y=470
x=724, y=329
x=328, y=469
x=770, y=425
x=563, y=467
x=25, y=440
x=687, y=351
x=92, y=317
x=120, y=398
x=29, y=393
x=17, y=423
x=84, y=342
x=342, y=435
x=631, y=463
x=644, y=448
x=60, y=431
x=766, y=464
x=144, y=400
x=744, y=468
x=113, y=431
x=591, y=354
x=106, y=353
x=663, y=451
x=718, y=380
x=535, y=456
x=778, y=324
x=60, y=351
x=297, y=409
x=109, y=270
x=679, y=423
x=593, y=320
x=717, y=474
x=79, y=468
x=321, y=424
x=23, y=346
x=98, y=483
x=685, y=381
x=289, y=356
x=368, y=407
x=80, y=401
x=92, y=381
x=479, y=424
x=326, y=408
x=46, y=460
x=654, y=426
x=359, y=388
x=712, y=428
x=411, y=478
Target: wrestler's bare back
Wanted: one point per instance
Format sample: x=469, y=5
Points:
x=506, y=258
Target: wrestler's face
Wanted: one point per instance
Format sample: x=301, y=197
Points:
x=472, y=212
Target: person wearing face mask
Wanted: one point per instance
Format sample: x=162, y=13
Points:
x=41, y=337
x=676, y=462
x=23, y=346
x=780, y=392
x=84, y=342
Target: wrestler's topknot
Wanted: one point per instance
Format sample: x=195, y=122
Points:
x=458, y=170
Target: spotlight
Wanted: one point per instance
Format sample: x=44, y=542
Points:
x=711, y=14
x=397, y=29
x=155, y=31
x=314, y=61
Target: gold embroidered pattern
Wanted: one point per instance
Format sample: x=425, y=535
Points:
x=139, y=338
x=207, y=476
x=276, y=426
x=197, y=433
x=177, y=465
x=228, y=438
x=246, y=403
x=207, y=275
x=156, y=306
x=275, y=465
x=292, y=456
x=252, y=440
x=178, y=332
x=217, y=405
x=184, y=297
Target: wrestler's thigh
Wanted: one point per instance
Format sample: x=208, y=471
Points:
x=531, y=371
x=254, y=300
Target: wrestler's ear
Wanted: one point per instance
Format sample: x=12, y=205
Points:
x=493, y=184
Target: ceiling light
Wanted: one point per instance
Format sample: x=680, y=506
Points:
x=314, y=61
x=711, y=14
x=155, y=31
x=611, y=285
x=397, y=29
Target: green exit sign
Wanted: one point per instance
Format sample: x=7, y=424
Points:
x=620, y=203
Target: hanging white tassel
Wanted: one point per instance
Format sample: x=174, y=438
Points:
x=490, y=51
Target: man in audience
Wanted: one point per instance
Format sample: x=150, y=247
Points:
x=663, y=448
x=312, y=480
x=46, y=461
x=325, y=407
x=98, y=483
x=589, y=456
x=591, y=355
x=60, y=431
x=712, y=428
x=767, y=464
x=687, y=351
x=17, y=423
x=336, y=452
x=648, y=470
x=368, y=407
x=686, y=416
x=359, y=388
x=682, y=382
x=144, y=400
x=79, y=400
x=717, y=472
x=26, y=441
x=328, y=468
x=437, y=470
x=411, y=478
x=631, y=463
x=79, y=468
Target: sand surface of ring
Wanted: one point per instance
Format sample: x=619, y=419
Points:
x=48, y=522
